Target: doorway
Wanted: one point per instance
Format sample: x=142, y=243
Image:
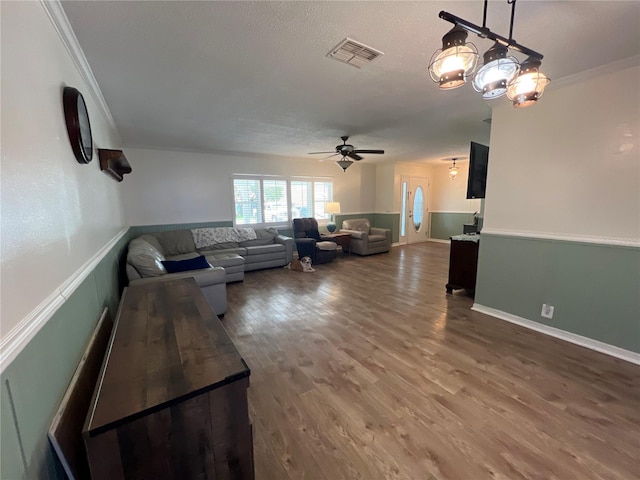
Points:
x=414, y=221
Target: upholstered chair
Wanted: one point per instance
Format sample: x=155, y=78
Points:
x=309, y=244
x=365, y=239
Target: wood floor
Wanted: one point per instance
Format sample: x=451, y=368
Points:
x=367, y=369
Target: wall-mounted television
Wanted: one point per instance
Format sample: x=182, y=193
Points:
x=478, y=163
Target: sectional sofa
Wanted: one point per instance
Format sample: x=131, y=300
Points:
x=229, y=252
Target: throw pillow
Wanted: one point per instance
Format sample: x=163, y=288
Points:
x=314, y=233
x=175, y=266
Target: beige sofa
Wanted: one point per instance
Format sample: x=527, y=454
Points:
x=365, y=239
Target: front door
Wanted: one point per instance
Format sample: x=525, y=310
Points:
x=417, y=220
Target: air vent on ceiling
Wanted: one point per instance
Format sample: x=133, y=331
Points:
x=354, y=53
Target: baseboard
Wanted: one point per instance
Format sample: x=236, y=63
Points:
x=438, y=240
x=20, y=335
x=586, y=342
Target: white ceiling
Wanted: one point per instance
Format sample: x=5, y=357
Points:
x=253, y=77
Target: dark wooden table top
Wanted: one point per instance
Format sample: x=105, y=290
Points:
x=167, y=346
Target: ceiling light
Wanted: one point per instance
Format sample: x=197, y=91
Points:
x=455, y=62
x=451, y=65
x=344, y=163
x=497, y=72
x=529, y=85
x=453, y=170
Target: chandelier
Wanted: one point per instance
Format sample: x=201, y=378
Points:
x=500, y=74
x=453, y=170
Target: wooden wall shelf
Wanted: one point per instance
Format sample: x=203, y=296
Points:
x=114, y=163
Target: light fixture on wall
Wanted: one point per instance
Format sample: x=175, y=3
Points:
x=454, y=63
x=344, y=163
x=332, y=208
x=453, y=170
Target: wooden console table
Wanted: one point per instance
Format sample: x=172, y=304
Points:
x=171, y=397
x=463, y=262
x=342, y=239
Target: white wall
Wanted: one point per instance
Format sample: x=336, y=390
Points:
x=180, y=187
x=385, y=188
x=451, y=195
x=557, y=167
x=56, y=213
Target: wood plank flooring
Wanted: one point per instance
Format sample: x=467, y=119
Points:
x=366, y=369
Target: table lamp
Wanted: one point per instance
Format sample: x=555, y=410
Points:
x=332, y=208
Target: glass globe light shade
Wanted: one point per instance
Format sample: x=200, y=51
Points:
x=453, y=172
x=451, y=65
x=344, y=164
x=493, y=78
x=529, y=85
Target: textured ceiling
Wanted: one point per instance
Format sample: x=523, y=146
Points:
x=253, y=77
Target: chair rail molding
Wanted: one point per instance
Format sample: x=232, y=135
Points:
x=613, y=241
x=61, y=23
x=20, y=335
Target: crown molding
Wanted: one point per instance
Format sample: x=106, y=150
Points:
x=613, y=67
x=61, y=23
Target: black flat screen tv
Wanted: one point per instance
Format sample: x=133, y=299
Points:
x=478, y=163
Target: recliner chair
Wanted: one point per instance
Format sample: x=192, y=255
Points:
x=365, y=239
x=309, y=244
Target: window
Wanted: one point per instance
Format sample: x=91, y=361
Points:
x=276, y=201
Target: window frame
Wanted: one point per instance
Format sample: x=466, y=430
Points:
x=288, y=179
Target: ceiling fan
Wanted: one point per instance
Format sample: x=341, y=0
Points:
x=349, y=150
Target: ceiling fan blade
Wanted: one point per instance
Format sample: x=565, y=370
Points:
x=316, y=153
x=369, y=151
x=354, y=155
x=327, y=158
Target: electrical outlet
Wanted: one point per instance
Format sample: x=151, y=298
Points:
x=547, y=311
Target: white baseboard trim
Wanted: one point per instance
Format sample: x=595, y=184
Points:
x=20, y=335
x=438, y=240
x=596, y=345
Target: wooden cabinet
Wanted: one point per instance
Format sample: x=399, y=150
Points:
x=171, y=398
x=463, y=263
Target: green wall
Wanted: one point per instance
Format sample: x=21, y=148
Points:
x=445, y=225
x=34, y=383
x=593, y=287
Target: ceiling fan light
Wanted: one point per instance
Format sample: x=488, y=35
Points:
x=344, y=164
x=494, y=77
x=455, y=62
x=529, y=85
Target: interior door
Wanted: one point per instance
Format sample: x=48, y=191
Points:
x=417, y=219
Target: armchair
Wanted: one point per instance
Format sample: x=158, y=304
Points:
x=365, y=239
x=308, y=243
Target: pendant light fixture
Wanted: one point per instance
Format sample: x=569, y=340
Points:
x=344, y=163
x=529, y=85
x=453, y=170
x=496, y=73
x=454, y=63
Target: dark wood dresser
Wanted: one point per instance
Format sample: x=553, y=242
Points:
x=171, y=398
x=463, y=262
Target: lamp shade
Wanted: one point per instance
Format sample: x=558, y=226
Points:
x=529, y=85
x=493, y=78
x=455, y=62
x=333, y=207
x=344, y=164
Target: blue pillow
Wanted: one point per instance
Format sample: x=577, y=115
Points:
x=175, y=266
x=314, y=233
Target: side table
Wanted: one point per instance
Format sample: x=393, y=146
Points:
x=342, y=239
